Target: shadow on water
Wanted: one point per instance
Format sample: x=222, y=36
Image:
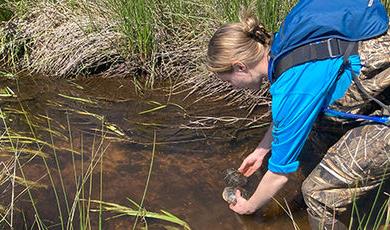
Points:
x=192, y=151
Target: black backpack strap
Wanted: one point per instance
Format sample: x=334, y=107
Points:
x=328, y=48
x=324, y=49
x=355, y=77
x=348, y=52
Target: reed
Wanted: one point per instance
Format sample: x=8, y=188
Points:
x=153, y=41
x=38, y=143
x=377, y=215
x=136, y=22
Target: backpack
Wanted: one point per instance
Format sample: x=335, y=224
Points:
x=320, y=29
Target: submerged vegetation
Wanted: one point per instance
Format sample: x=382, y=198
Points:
x=42, y=156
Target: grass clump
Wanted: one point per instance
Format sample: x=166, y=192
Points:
x=152, y=41
x=136, y=22
x=57, y=40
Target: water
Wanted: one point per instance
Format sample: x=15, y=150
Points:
x=186, y=177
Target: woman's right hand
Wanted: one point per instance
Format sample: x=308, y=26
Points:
x=252, y=162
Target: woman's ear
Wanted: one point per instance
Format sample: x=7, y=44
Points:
x=239, y=67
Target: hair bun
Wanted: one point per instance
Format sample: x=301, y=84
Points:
x=248, y=20
x=254, y=29
x=260, y=34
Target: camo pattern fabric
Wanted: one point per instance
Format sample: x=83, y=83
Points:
x=357, y=162
x=374, y=75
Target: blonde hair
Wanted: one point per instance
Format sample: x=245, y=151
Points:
x=246, y=41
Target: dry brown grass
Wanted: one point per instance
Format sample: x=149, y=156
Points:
x=60, y=41
x=68, y=40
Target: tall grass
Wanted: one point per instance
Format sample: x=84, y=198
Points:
x=386, y=3
x=136, y=20
x=157, y=39
x=378, y=213
x=26, y=146
x=37, y=144
x=270, y=12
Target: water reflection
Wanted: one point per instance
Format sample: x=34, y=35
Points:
x=86, y=119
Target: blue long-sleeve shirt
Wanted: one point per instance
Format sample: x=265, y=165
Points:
x=298, y=96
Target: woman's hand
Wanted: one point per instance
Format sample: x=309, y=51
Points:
x=269, y=185
x=252, y=162
x=242, y=206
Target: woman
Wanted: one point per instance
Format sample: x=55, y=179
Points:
x=239, y=53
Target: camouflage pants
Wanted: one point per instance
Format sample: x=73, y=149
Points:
x=355, y=165
x=360, y=160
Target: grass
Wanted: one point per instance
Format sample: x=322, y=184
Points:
x=152, y=41
x=381, y=220
x=136, y=23
x=149, y=40
x=155, y=42
x=139, y=211
x=39, y=143
x=270, y=13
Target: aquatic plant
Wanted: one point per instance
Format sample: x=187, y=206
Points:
x=377, y=215
x=139, y=211
x=19, y=149
x=42, y=140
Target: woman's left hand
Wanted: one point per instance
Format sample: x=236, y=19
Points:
x=242, y=206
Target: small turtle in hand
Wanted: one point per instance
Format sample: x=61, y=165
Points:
x=234, y=181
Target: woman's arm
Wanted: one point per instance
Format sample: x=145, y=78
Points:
x=254, y=160
x=269, y=185
x=265, y=144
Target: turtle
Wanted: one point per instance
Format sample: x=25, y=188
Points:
x=234, y=180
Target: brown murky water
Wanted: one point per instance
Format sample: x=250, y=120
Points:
x=105, y=117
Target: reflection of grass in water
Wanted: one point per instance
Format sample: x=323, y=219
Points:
x=30, y=147
x=61, y=197
x=139, y=210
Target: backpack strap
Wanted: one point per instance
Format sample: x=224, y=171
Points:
x=385, y=108
x=320, y=50
x=385, y=120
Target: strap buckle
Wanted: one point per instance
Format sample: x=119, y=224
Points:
x=336, y=45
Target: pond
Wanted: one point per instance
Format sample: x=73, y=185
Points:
x=98, y=137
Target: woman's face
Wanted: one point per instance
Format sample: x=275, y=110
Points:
x=247, y=76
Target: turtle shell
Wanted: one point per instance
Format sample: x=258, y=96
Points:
x=234, y=178
x=229, y=194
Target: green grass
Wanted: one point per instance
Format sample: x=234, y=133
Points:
x=373, y=218
x=270, y=12
x=136, y=19
x=38, y=143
